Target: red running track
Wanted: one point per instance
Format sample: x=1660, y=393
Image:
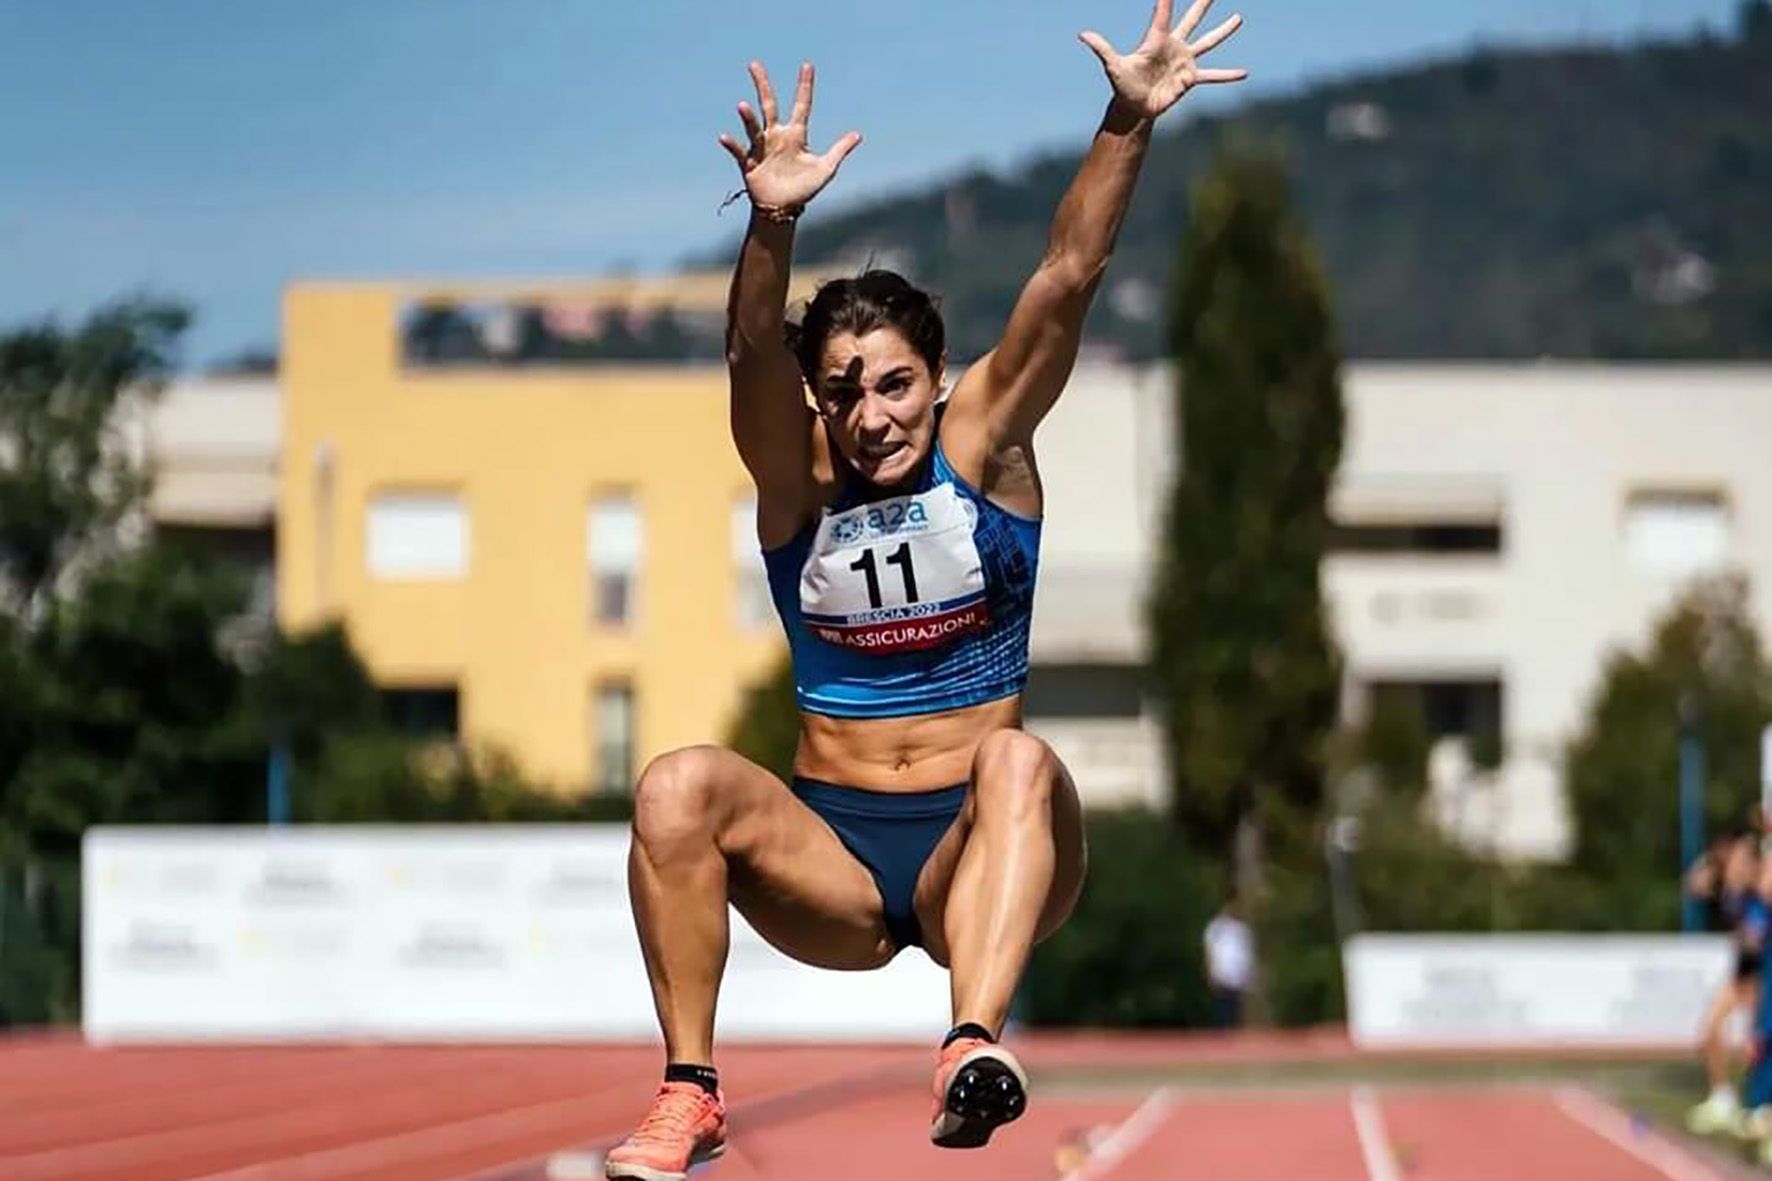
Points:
x=69, y=1112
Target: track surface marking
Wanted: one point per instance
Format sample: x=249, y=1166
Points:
x=1617, y=1129
x=1249, y=1138
x=69, y=1112
x=1520, y=1135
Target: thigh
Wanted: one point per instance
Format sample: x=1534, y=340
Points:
x=1069, y=850
x=790, y=876
x=1722, y=1003
x=1746, y=995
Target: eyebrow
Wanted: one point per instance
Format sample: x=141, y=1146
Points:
x=845, y=377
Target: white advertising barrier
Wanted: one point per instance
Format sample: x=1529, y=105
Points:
x=1624, y=991
x=421, y=933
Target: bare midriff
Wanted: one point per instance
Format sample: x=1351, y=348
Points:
x=918, y=753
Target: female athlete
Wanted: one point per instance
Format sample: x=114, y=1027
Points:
x=901, y=533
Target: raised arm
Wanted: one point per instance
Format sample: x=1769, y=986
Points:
x=1014, y=386
x=771, y=423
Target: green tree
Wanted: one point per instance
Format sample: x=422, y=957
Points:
x=19, y=706
x=1395, y=745
x=1241, y=657
x=118, y=706
x=67, y=486
x=308, y=688
x=1131, y=954
x=767, y=730
x=1622, y=777
x=1754, y=19
x=138, y=715
x=133, y=688
x=66, y=478
x=1706, y=658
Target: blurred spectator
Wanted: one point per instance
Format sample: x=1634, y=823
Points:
x=1728, y=878
x=1230, y=960
x=1756, y=1122
x=1704, y=878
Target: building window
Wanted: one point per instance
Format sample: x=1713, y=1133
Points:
x=749, y=576
x=1676, y=533
x=423, y=711
x=417, y=535
x=614, y=546
x=1083, y=691
x=1415, y=537
x=1468, y=709
x=613, y=725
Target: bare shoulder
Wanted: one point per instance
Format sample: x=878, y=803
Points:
x=993, y=460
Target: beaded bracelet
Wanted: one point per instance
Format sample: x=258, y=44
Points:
x=784, y=215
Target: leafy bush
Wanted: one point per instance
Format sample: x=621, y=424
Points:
x=1704, y=665
x=767, y=730
x=1131, y=954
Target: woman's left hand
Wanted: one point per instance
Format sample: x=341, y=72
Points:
x=1165, y=66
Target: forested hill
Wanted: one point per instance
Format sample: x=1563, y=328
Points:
x=1584, y=202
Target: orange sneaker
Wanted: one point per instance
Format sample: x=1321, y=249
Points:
x=685, y=1127
x=979, y=1086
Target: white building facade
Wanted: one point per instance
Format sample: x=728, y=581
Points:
x=210, y=445
x=1501, y=529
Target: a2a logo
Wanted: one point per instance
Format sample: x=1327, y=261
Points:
x=880, y=520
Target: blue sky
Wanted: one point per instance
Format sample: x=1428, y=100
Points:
x=216, y=149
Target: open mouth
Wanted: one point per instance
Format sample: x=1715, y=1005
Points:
x=880, y=453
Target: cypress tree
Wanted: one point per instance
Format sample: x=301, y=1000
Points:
x=1243, y=664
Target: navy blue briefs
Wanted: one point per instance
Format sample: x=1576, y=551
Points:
x=892, y=834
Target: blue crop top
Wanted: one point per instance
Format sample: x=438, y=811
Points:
x=908, y=604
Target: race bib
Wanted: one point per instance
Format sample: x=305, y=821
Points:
x=895, y=575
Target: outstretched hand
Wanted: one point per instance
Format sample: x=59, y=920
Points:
x=1165, y=66
x=780, y=172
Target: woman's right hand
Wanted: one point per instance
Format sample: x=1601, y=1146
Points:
x=780, y=174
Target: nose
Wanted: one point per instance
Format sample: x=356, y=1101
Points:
x=872, y=418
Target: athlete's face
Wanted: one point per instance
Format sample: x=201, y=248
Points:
x=878, y=396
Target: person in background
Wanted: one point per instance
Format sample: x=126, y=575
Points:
x=1731, y=877
x=1704, y=881
x=1230, y=962
x=1755, y=1120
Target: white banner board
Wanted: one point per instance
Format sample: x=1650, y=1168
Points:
x=1623, y=991
x=1766, y=772
x=422, y=933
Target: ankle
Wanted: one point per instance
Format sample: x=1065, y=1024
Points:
x=705, y=1077
x=967, y=1029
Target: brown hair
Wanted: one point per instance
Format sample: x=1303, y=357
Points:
x=872, y=300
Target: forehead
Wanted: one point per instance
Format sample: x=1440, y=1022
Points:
x=868, y=356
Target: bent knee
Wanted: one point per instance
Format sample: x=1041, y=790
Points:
x=675, y=796
x=1015, y=771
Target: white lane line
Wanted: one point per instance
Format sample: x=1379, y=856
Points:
x=575, y=1166
x=1618, y=1130
x=1138, y=1127
x=1375, y=1142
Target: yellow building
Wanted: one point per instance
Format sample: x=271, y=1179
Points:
x=552, y=556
